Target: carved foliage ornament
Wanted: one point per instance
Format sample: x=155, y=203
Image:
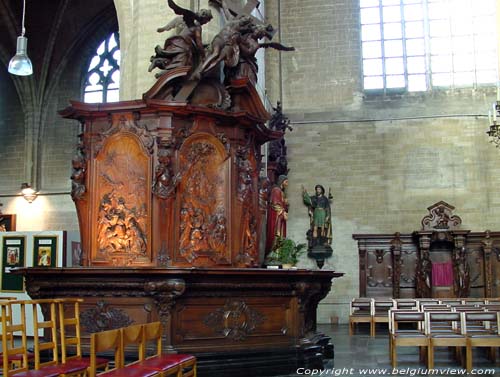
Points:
x=236, y=320
x=103, y=317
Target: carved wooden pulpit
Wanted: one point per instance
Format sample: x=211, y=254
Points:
x=159, y=183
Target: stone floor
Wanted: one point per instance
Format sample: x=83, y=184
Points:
x=361, y=355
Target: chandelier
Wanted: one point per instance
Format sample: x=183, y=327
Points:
x=494, y=131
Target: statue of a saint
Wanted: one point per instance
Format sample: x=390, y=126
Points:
x=320, y=232
x=277, y=214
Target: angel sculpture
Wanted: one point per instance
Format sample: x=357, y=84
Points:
x=186, y=48
x=236, y=45
x=248, y=46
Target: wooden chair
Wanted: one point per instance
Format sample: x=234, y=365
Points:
x=14, y=360
x=404, y=337
x=380, y=312
x=444, y=329
x=9, y=348
x=360, y=311
x=162, y=362
x=134, y=336
x=485, y=338
x=70, y=332
x=49, y=326
x=113, y=340
x=103, y=341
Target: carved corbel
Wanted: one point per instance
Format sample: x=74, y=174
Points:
x=309, y=295
x=164, y=294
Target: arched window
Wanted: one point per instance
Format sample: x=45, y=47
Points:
x=102, y=82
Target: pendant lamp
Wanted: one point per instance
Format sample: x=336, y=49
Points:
x=20, y=64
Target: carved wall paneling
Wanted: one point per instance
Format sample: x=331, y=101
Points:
x=472, y=259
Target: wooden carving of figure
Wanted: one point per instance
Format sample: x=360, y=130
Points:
x=424, y=271
x=277, y=214
x=462, y=278
x=225, y=46
x=320, y=215
x=248, y=46
x=186, y=48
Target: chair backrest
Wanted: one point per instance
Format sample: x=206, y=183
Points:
x=452, y=302
x=485, y=318
x=49, y=326
x=10, y=329
x=110, y=340
x=153, y=332
x=383, y=305
x=361, y=304
x=454, y=319
x=134, y=336
x=435, y=307
x=391, y=317
x=69, y=327
x=406, y=303
x=406, y=317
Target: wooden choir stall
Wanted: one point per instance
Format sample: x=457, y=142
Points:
x=167, y=196
x=440, y=260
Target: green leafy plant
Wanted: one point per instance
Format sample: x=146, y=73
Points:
x=285, y=251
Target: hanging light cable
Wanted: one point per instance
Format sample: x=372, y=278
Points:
x=20, y=64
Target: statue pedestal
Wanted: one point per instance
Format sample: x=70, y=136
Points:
x=245, y=321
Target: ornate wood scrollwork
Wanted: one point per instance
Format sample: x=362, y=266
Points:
x=440, y=217
x=164, y=294
x=103, y=317
x=236, y=320
x=165, y=180
x=79, y=171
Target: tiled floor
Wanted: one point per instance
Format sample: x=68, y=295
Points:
x=361, y=355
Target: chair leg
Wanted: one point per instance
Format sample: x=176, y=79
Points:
x=351, y=325
x=372, y=329
x=492, y=354
x=468, y=357
x=430, y=356
x=394, y=356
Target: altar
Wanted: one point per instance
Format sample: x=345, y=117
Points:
x=246, y=321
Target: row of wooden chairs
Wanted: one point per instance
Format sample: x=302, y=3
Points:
x=432, y=328
x=62, y=314
x=137, y=338
x=375, y=310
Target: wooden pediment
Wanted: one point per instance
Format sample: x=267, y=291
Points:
x=440, y=218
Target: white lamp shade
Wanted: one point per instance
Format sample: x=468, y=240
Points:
x=20, y=64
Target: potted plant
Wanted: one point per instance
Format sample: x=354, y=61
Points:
x=285, y=252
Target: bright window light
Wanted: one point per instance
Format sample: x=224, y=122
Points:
x=103, y=75
x=416, y=45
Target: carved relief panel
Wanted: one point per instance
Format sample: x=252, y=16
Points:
x=122, y=203
x=203, y=203
x=379, y=272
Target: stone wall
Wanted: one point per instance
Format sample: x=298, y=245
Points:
x=385, y=158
